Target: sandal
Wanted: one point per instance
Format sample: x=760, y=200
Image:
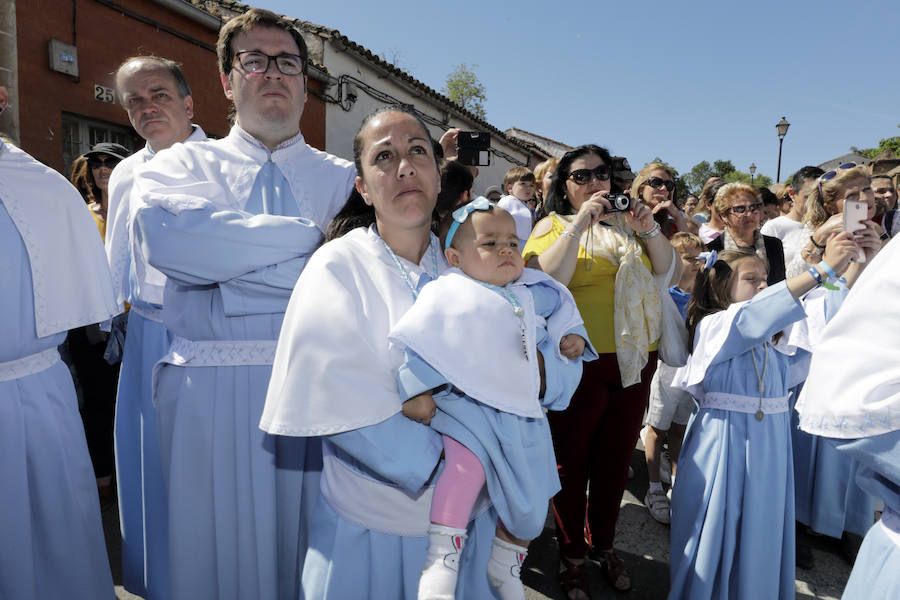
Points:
x=613, y=569
x=573, y=580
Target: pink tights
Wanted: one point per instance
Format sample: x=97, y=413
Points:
x=457, y=487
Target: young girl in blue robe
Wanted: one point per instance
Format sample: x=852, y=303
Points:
x=473, y=337
x=733, y=503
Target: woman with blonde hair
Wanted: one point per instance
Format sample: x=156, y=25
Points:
x=740, y=206
x=824, y=211
x=655, y=187
x=543, y=175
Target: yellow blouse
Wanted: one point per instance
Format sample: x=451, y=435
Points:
x=593, y=289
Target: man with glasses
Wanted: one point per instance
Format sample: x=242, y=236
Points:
x=789, y=228
x=231, y=224
x=157, y=98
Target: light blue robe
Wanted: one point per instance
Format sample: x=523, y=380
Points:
x=516, y=452
x=733, y=502
x=51, y=537
x=238, y=497
x=828, y=498
x=875, y=574
x=143, y=506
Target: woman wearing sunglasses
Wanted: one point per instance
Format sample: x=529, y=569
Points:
x=606, y=259
x=655, y=186
x=824, y=213
x=740, y=206
x=93, y=181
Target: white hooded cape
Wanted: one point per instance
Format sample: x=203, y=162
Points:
x=853, y=388
x=470, y=335
x=334, y=368
x=54, y=222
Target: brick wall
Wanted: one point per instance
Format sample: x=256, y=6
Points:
x=104, y=37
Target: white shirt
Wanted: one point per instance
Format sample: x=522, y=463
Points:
x=121, y=249
x=789, y=231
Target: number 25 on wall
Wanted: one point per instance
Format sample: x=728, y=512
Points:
x=104, y=94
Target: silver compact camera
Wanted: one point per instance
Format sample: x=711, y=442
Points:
x=619, y=203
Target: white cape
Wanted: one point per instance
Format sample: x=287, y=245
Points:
x=853, y=388
x=334, y=368
x=54, y=222
x=470, y=335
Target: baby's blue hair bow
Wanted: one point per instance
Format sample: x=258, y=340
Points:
x=462, y=213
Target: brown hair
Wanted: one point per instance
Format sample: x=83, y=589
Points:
x=253, y=18
x=711, y=288
x=517, y=174
x=83, y=181
x=684, y=240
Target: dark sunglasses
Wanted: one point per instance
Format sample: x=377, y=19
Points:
x=658, y=182
x=96, y=162
x=742, y=208
x=583, y=176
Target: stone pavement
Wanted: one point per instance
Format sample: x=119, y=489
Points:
x=640, y=541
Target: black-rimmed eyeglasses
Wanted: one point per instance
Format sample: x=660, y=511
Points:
x=252, y=61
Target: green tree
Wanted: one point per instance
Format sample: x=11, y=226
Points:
x=723, y=168
x=891, y=143
x=758, y=180
x=464, y=88
x=698, y=176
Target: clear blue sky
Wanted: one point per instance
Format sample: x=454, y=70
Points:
x=686, y=81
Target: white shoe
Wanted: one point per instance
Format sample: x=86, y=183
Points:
x=658, y=505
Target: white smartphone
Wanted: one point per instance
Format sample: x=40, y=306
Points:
x=855, y=212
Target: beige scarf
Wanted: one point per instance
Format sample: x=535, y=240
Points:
x=637, y=308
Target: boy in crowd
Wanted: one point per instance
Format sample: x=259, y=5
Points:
x=519, y=186
x=670, y=408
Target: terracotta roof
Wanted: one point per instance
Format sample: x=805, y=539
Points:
x=226, y=9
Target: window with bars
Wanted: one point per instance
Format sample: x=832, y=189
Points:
x=80, y=133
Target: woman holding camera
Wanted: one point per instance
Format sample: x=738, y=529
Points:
x=606, y=258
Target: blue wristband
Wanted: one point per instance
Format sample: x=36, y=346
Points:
x=815, y=275
x=824, y=266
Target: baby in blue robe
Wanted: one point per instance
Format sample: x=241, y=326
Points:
x=496, y=344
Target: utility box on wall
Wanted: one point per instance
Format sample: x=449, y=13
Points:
x=63, y=58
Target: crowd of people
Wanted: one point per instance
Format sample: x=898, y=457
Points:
x=305, y=377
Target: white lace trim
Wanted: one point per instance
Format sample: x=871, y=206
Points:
x=220, y=353
x=28, y=365
x=744, y=404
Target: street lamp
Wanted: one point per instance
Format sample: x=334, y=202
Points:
x=781, y=127
x=752, y=172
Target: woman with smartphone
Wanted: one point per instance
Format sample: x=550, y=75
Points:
x=828, y=499
x=824, y=214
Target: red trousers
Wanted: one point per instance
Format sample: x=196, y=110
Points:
x=594, y=440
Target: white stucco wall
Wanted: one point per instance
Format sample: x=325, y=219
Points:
x=341, y=125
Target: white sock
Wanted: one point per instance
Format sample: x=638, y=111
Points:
x=504, y=569
x=438, y=581
x=656, y=486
